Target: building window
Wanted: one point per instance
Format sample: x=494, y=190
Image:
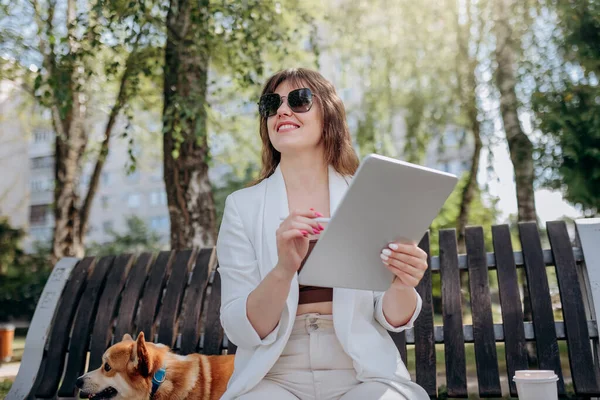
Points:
x=42, y=162
x=158, y=198
x=43, y=136
x=134, y=200
x=159, y=223
x=38, y=214
x=41, y=234
x=41, y=185
x=107, y=226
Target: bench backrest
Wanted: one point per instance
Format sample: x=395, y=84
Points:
x=577, y=328
x=174, y=298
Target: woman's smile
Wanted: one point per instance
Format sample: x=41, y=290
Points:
x=286, y=126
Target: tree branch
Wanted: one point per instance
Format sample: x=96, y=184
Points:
x=120, y=102
x=482, y=23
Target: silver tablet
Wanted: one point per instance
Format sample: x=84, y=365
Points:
x=388, y=200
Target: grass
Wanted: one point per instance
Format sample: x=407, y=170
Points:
x=471, y=368
x=4, y=388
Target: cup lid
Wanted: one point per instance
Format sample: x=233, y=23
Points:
x=535, y=375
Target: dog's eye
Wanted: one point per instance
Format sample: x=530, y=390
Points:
x=107, y=367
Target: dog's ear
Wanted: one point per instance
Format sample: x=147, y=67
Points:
x=127, y=338
x=141, y=356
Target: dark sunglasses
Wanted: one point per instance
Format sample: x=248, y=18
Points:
x=299, y=101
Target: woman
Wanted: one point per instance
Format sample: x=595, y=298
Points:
x=298, y=343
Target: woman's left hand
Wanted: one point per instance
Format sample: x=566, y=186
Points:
x=407, y=262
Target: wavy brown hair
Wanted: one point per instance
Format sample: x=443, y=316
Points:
x=336, y=136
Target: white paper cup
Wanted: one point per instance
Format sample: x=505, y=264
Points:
x=536, y=384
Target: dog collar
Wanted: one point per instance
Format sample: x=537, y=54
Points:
x=157, y=379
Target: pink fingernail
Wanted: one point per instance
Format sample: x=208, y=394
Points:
x=318, y=214
x=320, y=226
x=305, y=233
x=311, y=209
x=316, y=231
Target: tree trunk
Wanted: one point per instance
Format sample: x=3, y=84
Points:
x=467, y=85
x=470, y=188
x=68, y=114
x=186, y=152
x=66, y=239
x=520, y=147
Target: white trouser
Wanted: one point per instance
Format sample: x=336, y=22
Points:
x=314, y=366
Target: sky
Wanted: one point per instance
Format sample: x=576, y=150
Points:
x=549, y=204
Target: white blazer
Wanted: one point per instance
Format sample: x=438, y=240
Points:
x=247, y=251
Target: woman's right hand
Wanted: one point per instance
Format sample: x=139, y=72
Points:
x=292, y=238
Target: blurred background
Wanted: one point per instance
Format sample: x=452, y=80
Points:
x=124, y=124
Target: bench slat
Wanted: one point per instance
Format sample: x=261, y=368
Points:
x=153, y=293
x=61, y=329
x=486, y=358
x=102, y=332
x=82, y=327
x=173, y=296
x=213, y=331
x=499, y=332
x=454, y=346
x=580, y=354
x=424, y=339
x=131, y=296
x=192, y=308
x=518, y=255
x=231, y=347
x=510, y=301
x=541, y=303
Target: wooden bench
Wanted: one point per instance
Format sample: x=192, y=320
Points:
x=174, y=298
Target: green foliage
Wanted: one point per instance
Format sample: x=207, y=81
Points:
x=570, y=151
x=246, y=35
x=10, y=251
x=400, y=58
x=22, y=277
x=567, y=108
x=136, y=239
x=580, y=23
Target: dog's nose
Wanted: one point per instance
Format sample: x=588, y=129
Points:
x=79, y=382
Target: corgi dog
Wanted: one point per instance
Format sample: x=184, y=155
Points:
x=136, y=369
